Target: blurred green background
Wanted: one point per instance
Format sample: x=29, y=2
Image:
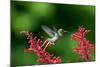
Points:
x=29, y=16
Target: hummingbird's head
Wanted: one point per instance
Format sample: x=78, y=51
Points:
x=61, y=31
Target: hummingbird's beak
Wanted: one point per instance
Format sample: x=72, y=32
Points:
x=66, y=31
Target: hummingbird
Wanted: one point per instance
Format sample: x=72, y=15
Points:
x=53, y=33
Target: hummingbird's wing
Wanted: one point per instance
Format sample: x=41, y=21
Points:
x=49, y=31
x=54, y=28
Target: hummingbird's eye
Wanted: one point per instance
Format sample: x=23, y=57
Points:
x=61, y=29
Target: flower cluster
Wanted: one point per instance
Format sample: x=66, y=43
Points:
x=35, y=46
x=83, y=46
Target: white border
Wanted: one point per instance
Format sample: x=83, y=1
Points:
x=5, y=33
x=80, y=2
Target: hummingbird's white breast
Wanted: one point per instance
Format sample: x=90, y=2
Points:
x=53, y=39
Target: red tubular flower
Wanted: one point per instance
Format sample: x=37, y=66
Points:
x=80, y=34
x=83, y=46
x=35, y=46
